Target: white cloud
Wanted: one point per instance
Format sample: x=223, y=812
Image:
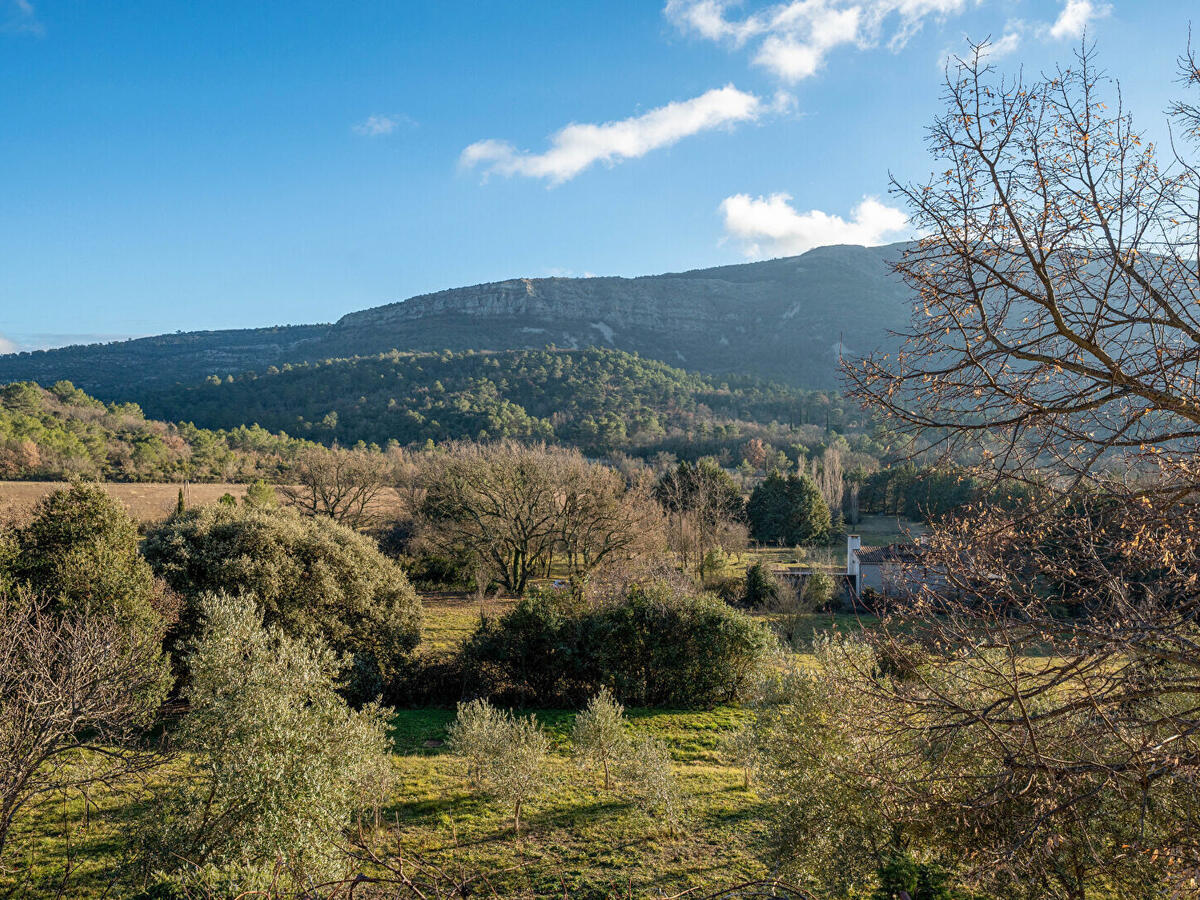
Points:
x=798, y=35
x=578, y=146
x=1008, y=42
x=376, y=126
x=7, y=346
x=20, y=17
x=1075, y=17
x=771, y=226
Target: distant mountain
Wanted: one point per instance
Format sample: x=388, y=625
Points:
x=783, y=319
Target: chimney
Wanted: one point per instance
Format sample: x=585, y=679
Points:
x=853, y=545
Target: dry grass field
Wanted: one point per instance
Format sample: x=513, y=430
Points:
x=148, y=502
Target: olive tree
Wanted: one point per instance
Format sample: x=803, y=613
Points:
x=598, y=734
x=277, y=763
x=517, y=770
x=646, y=768
x=475, y=735
x=506, y=754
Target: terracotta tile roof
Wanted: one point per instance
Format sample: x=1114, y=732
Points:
x=874, y=556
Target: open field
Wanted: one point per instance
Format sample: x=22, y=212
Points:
x=148, y=502
x=575, y=837
x=577, y=840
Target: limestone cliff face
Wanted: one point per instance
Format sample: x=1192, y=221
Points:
x=784, y=319
x=687, y=305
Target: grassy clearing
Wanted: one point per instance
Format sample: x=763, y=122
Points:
x=578, y=836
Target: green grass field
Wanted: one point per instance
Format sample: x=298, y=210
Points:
x=595, y=843
x=578, y=840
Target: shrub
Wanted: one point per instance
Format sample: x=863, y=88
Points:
x=277, y=764
x=598, y=734
x=665, y=647
x=902, y=876
x=651, y=645
x=81, y=552
x=312, y=578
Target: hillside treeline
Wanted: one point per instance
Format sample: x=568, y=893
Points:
x=599, y=400
x=61, y=433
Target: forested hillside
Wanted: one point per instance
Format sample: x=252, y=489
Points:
x=62, y=432
x=599, y=400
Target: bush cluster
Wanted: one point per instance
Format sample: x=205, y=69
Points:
x=654, y=645
x=311, y=577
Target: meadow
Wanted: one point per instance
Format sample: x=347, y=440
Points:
x=578, y=840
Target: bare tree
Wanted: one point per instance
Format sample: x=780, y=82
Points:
x=77, y=693
x=704, y=511
x=604, y=520
x=1031, y=706
x=1056, y=325
x=345, y=485
x=1035, y=713
x=518, y=508
x=500, y=502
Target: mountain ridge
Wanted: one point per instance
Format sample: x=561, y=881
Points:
x=786, y=319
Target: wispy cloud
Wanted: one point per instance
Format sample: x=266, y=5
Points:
x=578, y=146
x=794, y=38
x=20, y=17
x=771, y=226
x=7, y=346
x=1075, y=17
x=380, y=125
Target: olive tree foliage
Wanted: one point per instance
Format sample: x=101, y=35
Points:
x=277, y=764
x=78, y=692
x=346, y=486
x=514, y=507
x=475, y=735
x=1056, y=328
x=825, y=772
x=645, y=767
x=313, y=578
x=509, y=753
x=598, y=735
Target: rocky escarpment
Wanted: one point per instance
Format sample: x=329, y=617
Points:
x=786, y=319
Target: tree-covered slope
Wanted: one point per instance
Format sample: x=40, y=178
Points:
x=62, y=432
x=785, y=319
x=599, y=400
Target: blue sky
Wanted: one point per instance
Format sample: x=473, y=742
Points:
x=172, y=165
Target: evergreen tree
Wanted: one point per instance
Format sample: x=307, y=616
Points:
x=788, y=510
